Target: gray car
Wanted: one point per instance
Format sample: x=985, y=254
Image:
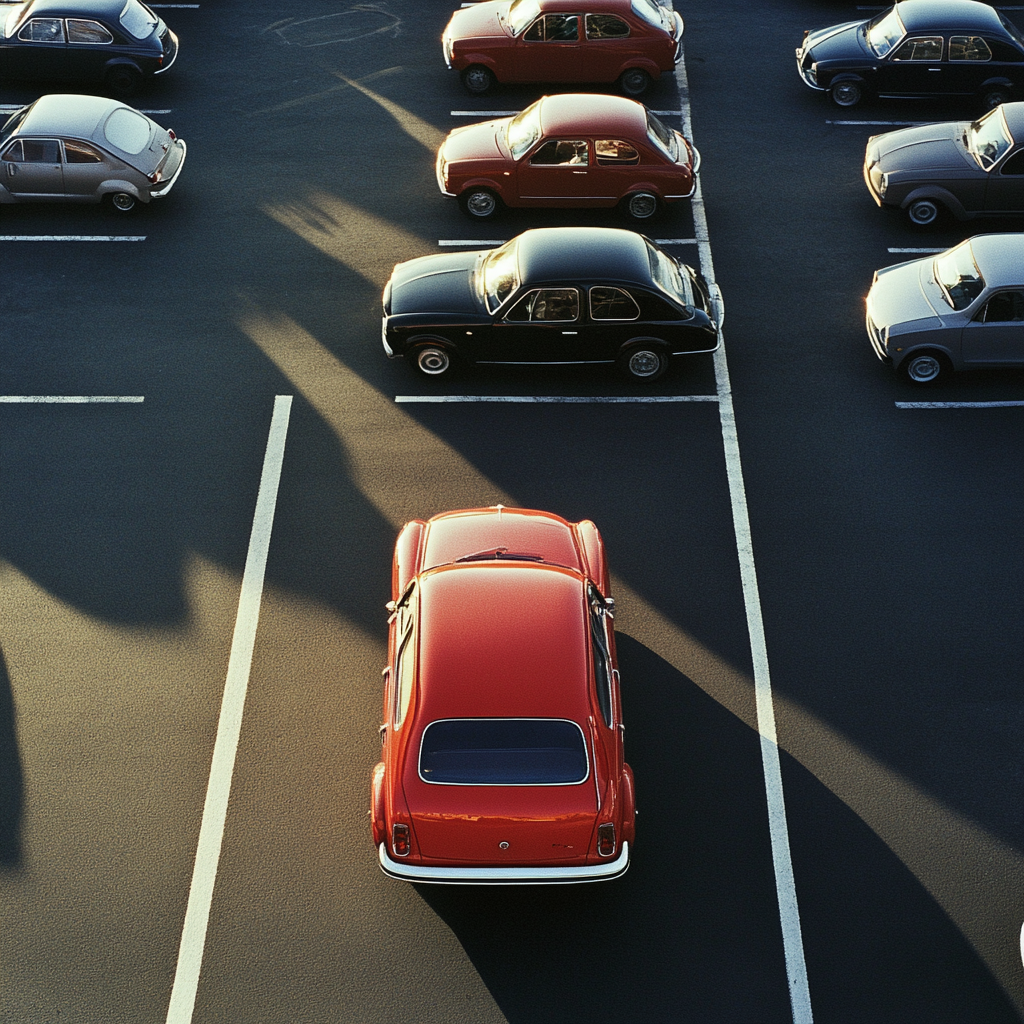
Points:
x=967, y=168
x=959, y=310
x=86, y=149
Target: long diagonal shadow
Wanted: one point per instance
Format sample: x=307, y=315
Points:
x=12, y=788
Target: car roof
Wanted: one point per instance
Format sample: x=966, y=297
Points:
x=108, y=9
x=552, y=254
x=503, y=639
x=948, y=15
x=587, y=113
x=590, y=7
x=1000, y=258
x=68, y=115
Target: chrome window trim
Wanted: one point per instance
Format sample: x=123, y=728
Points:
x=611, y=319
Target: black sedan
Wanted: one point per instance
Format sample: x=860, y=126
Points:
x=918, y=48
x=561, y=296
x=116, y=44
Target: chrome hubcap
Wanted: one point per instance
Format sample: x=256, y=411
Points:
x=433, y=361
x=924, y=368
x=644, y=363
x=642, y=206
x=481, y=204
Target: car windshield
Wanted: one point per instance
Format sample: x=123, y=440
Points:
x=667, y=275
x=503, y=752
x=885, y=31
x=11, y=124
x=523, y=130
x=957, y=274
x=498, y=275
x=988, y=138
x=1012, y=30
x=136, y=20
x=649, y=11
x=18, y=13
x=662, y=137
x=521, y=14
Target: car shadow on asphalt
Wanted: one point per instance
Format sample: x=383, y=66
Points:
x=12, y=785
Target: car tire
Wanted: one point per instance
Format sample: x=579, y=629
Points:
x=640, y=205
x=122, y=81
x=479, y=203
x=634, y=82
x=644, y=361
x=925, y=367
x=846, y=94
x=477, y=79
x=121, y=203
x=925, y=213
x=991, y=98
x=431, y=359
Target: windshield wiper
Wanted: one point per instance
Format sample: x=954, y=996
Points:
x=496, y=553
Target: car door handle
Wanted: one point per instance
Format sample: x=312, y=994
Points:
x=570, y=332
x=935, y=69
x=579, y=172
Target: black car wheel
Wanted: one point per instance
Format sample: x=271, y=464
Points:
x=640, y=205
x=121, y=202
x=846, y=94
x=479, y=203
x=634, y=81
x=477, y=79
x=925, y=367
x=122, y=81
x=644, y=362
x=431, y=360
x=993, y=97
x=924, y=213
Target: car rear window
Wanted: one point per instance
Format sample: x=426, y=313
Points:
x=127, y=130
x=503, y=752
x=137, y=21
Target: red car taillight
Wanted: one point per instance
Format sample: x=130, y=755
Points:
x=606, y=839
x=155, y=177
x=170, y=131
x=400, y=840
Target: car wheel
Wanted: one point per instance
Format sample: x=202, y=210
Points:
x=634, y=81
x=924, y=213
x=121, y=202
x=640, y=205
x=846, y=94
x=432, y=360
x=479, y=203
x=925, y=367
x=644, y=362
x=478, y=79
x=123, y=81
x=994, y=96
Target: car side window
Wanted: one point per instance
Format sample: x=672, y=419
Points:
x=561, y=151
x=615, y=151
x=41, y=151
x=612, y=304
x=1004, y=308
x=1014, y=163
x=43, y=30
x=922, y=48
x=87, y=32
x=80, y=153
x=547, y=305
x=606, y=26
x=972, y=48
x=554, y=28
x=14, y=152
x=602, y=662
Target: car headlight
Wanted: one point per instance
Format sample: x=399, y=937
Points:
x=813, y=70
x=883, y=185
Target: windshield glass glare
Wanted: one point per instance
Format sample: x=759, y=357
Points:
x=989, y=138
x=663, y=137
x=523, y=130
x=885, y=31
x=498, y=276
x=957, y=274
x=521, y=14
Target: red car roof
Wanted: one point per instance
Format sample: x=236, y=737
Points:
x=593, y=114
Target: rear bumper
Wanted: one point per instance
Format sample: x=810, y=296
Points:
x=504, y=876
x=166, y=186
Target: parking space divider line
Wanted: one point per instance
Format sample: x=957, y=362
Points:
x=959, y=405
x=554, y=399
x=72, y=238
x=69, y=399
x=229, y=725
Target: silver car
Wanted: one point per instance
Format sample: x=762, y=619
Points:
x=86, y=149
x=959, y=310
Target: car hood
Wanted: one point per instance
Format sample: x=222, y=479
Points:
x=928, y=147
x=840, y=42
x=905, y=293
x=478, y=21
x=475, y=142
x=435, y=284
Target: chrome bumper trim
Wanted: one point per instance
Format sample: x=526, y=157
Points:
x=167, y=188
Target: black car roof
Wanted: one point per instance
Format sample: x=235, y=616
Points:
x=108, y=9
x=561, y=254
x=948, y=16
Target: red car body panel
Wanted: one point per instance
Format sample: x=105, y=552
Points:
x=505, y=635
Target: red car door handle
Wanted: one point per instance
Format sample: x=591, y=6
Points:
x=579, y=172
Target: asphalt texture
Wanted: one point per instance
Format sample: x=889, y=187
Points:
x=886, y=542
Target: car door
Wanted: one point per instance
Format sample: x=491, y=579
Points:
x=606, y=47
x=915, y=68
x=968, y=64
x=541, y=326
x=995, y=337
x=37, y=53
x=1004, y=188
x=89, y=46
x=85, y=169
x=549, y=50
x=614, y=320
x=32, y=168
x=619, y=164
x=556, y=172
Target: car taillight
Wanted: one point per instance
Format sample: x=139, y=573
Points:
x=606, y=839
x=170, y=132
x=155, y=177
x=400, y=840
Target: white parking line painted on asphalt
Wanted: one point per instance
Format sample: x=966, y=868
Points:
x=72, y=238
x=958, y=405
x=70, y=399
x=900, y=124
x=926, y=249
x=782, y=859
x=554, y=399
x=211, y=831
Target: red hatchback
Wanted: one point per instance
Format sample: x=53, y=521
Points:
x=569, y=150
x=628, y=41
x=502, y=717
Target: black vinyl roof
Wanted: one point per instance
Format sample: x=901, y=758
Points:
x=551, y=254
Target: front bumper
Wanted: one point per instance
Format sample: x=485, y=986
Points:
x=877, y=339
x=388, y=350
x=504, y=876
x=679, y=38
x=439, y=174
x=808, y=76
x=871, y=184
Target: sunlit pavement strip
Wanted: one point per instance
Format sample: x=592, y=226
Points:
x=70, y=399
x=211, y=831
x=958, y=405
x=72, y=238
x=782, y=860
x=554, y=399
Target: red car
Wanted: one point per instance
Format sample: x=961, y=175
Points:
x=502, y=725
x=569, y=150
x=628, y=41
